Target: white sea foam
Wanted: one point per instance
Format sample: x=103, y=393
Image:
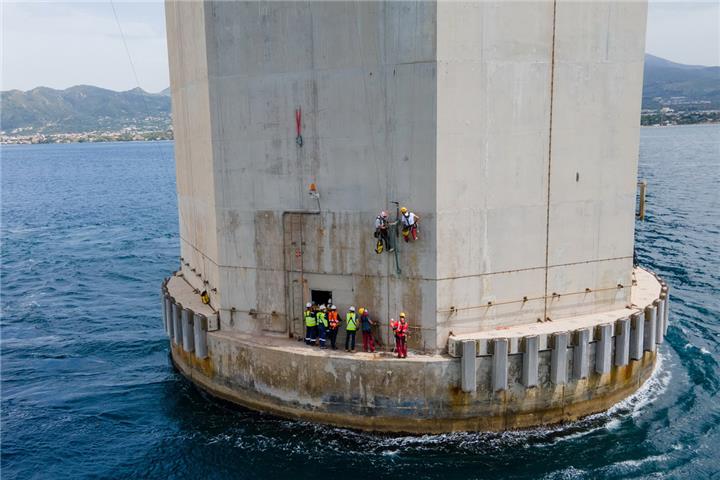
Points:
x=632, y=466
x=566, y=473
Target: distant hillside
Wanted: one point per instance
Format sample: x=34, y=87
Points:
x=82, y=108
x=85, y=108
x=675, y=85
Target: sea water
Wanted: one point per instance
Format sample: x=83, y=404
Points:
x=90, y=230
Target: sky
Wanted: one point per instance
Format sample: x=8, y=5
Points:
x=60, y=44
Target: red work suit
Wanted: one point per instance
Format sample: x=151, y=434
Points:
x=400, y=329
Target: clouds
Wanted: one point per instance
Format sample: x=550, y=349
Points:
x=58, y=44
x=684, y=31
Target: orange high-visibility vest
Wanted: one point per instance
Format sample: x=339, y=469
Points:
x=333, y=319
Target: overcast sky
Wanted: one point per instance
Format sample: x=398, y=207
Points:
x=60, y=44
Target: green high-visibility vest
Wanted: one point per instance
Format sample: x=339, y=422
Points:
x=351, y=324
x=322, y=319
x=310, y=318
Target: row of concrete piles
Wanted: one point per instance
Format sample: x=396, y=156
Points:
x=185, y=327
x=616, y=344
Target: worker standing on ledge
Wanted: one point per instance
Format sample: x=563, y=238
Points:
x=381, y=233
x=367, y=324
x=400, y=329
x=409, y=224
x=310, y=324
x=322, y=323
x=350, y=328
x=334, y=324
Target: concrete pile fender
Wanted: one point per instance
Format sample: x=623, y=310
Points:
x=185, y=327
x=188, y=335
x=650, y=335
x=168, y=302
x=177, y=309
x=603, y=349
x=574, y=355
x=200, y=324
x=622, y=342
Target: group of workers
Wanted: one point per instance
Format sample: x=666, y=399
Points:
x=409, y=222
x=322, y=324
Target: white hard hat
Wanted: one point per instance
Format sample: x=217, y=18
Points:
x=308, y=305
x=333, y=307
x=352, y=309
x=322, y=307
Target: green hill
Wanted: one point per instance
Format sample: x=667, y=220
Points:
x=82, y=108
x=687, y=87
x=85, y=108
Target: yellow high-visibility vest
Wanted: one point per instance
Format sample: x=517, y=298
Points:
x=351, y=323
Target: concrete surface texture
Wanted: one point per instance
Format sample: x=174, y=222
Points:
x=508, y=127
x=580, y=371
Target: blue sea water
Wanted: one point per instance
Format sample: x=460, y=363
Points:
x=90, y=230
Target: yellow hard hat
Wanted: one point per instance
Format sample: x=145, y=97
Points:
x=402, y=314
x=361, y=310
x=403, y=210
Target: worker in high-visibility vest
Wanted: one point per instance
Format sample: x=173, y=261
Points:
x=400, y=330
x=333, y=326
x=350, y=329
x=322, y=323
x=310, y=324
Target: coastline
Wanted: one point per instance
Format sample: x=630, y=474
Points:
x=164, y=136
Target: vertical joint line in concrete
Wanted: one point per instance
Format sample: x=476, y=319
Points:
x=547, y=212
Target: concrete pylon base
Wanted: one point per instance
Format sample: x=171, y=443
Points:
x=377, y=393
x=529, y=376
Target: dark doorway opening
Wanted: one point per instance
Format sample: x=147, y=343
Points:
x=321, y=297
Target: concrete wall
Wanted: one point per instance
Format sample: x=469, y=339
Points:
x=537, y=158
x=363, y=74
x=494, y=64
x=510, y=128
x=195, y=165
x=599, y=51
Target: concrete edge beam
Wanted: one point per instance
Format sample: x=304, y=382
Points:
x=514, y=345
x=500, y=364
x=559, y=358
x=530, y=361
x=468, y=366
x=482, y=348
x=622, y=342
x=603, y=349
x=649, y=334
x=637, y=324
x=581, y=361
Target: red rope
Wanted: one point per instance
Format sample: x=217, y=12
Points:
x=298, y=120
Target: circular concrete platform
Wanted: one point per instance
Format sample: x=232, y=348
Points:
x=509, y=383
